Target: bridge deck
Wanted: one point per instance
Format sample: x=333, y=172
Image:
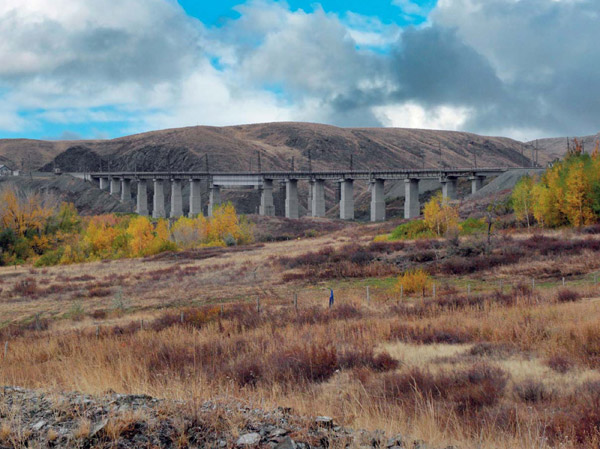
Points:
x=253, y=177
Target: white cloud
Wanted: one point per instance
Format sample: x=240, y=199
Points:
x=413, y=115
x=493, y=66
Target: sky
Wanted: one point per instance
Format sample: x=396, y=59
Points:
x=74, y=69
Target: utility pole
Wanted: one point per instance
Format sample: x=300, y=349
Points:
x=293, y=168
x=206, y=161
x=309, y=161
x=259, y=162
x=351, y=162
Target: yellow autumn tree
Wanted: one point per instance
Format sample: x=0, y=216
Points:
x=141, y=236
x=23, y=213
x=101, y=233
x=522, y=199
x=440, y=216
x=225, y=227
x=577, y=204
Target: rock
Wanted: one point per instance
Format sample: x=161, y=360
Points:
x=286, y=443
x=396, y=440
x=279, y=432
x=38, y=426
x=98, y=427
x=324, y=421
x=248, y=439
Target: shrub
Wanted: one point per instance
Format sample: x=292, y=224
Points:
x=413, y=281
x=560, y=363
x=467, y=391
x=417, y=229
x=532, y=391
x=567, y=295
x=429, y=334
x=301, y=364
x=472, y=226
x=50, y=258
x=26, y=288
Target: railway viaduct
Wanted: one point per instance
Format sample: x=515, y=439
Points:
x=120, y=184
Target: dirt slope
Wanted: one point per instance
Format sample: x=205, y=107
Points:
x=556, y=147
x=236, y=147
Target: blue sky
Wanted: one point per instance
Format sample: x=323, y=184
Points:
x=215, y=13
x=104, y=69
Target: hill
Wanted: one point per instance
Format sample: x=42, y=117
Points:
x=556, y=147
x=236, y=148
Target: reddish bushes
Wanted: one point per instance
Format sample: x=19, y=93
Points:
x=554, y=246
x=532, y=391
x=429, y=335
x=461, y=266
x=25, y=288
x=560, y=363
x=567, y=295
x=577, y=418
x=464, y=391
x=346, y=262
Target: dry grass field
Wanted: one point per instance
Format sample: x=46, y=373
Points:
x=502, y=355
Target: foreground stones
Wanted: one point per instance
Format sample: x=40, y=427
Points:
x=43, y=420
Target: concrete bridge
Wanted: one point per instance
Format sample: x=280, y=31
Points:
x=119, y=184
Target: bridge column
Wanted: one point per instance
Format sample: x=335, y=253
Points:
x=125, y=190
x=291, y=198
x=266, y=199
x=195, y=200
x=176, y=199
x=318, y=198
x=310, y=194
x=377, y=200
x=104, y=184
x=142, y=198
x=412, y=208
x=476, y=183
x=449, y=189
x=347, y=199
x=115, y=186
x=214, y=198
x=158, y=202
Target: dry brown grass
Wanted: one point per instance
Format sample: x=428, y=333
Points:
x=487, y=369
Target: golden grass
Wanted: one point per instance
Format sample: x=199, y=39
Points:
x=169, y=362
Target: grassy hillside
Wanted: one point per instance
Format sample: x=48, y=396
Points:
x=235, y=148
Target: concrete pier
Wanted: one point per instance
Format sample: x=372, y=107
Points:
x=476, y=183
x=310, y=193
x=347, y=199
x=195, y=200
x=104, y=183
x=158, y=209
x=125, y=190
x=412, y=208
x=142, y=198
x=176, y=199
x=115, y=186
x=266, y=199
x=377, y=200
x=318, y=198
x=291, y=198
x=214, y=199
x=449, y=188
